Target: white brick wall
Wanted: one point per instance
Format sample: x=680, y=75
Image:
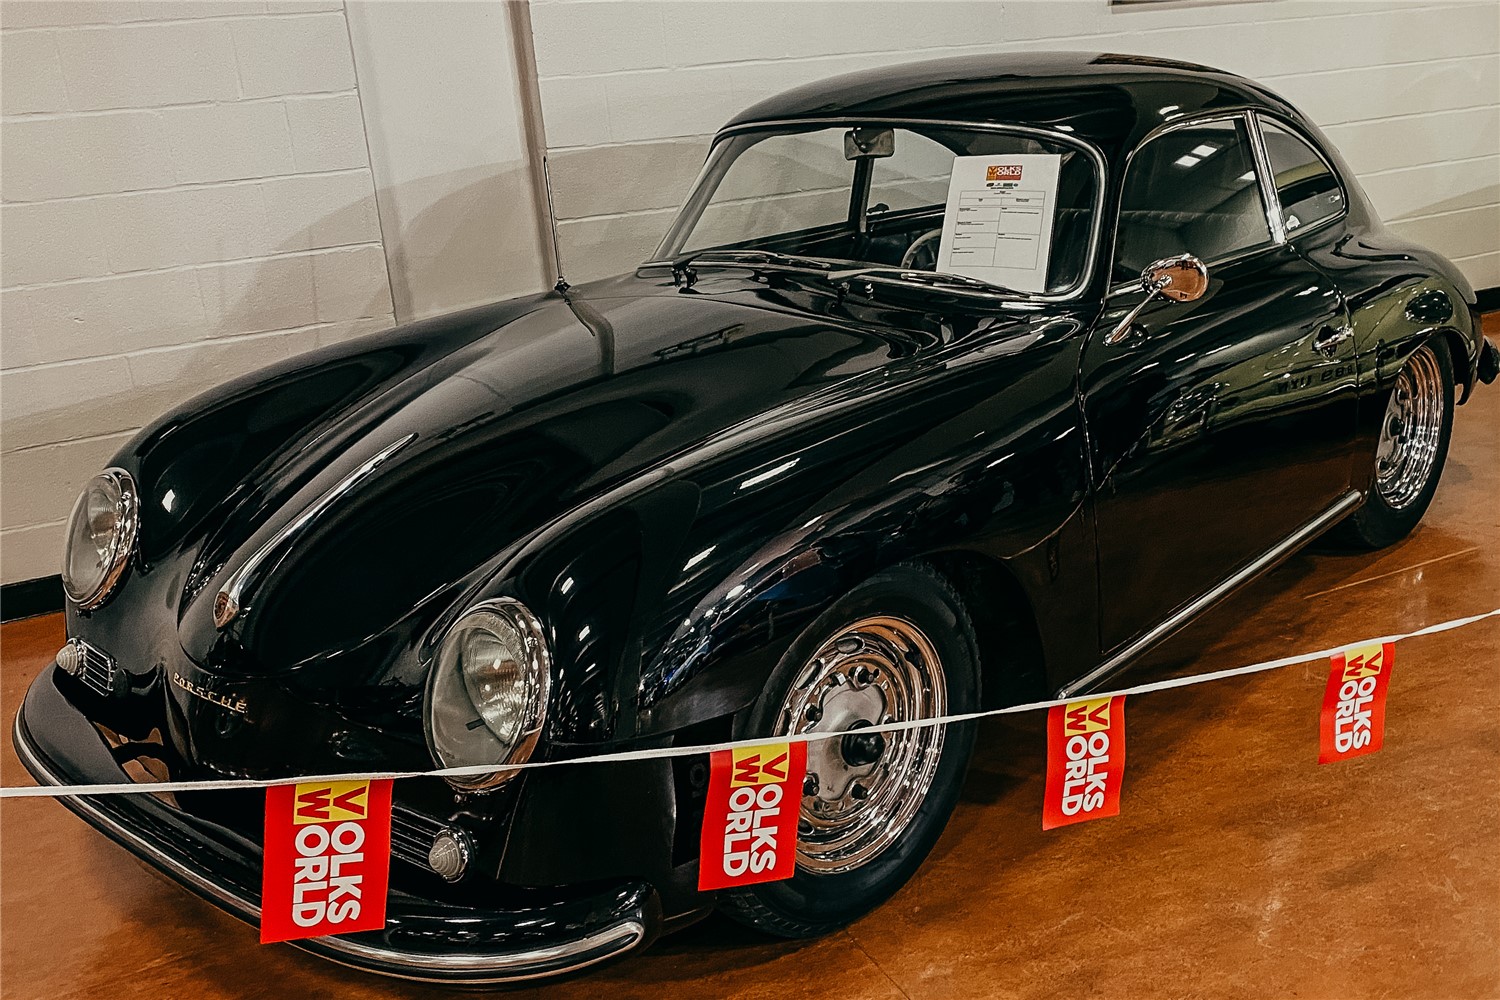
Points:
x=185, y=195
x=1410, y=91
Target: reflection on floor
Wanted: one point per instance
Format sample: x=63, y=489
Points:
x=1238, y=868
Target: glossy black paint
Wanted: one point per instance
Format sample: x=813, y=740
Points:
x=676, y=478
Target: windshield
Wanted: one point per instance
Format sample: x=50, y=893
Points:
x=1006, y=208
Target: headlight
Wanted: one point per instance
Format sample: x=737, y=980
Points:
x=101, y=536
x=487, y=694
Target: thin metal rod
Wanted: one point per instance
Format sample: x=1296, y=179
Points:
x=535, y=130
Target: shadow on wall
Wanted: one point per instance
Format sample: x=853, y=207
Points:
x=469, y=240
x=614, y=203
x=326, y=282
x=1461, y=226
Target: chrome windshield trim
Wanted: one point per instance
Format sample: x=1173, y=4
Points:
x=1101, y=178
x=1185, y=614
x=231, y=598
x=481, y=969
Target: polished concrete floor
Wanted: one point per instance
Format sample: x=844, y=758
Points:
x=1238, y=867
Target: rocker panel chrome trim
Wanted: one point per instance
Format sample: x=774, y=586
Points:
x=1203, y=602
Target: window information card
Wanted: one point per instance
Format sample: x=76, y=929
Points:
x=997, y=226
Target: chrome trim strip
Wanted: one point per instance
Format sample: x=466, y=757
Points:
x=1268, y=196
x=232, y=594
x=1204, y=601
x=1101, y=177
x=1297, y=133
x=500, y=967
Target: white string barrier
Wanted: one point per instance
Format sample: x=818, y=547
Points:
x=658, y=753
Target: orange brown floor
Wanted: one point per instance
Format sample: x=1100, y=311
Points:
x=1237, y=868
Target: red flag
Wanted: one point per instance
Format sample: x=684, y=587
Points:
x=1085, y=761
x=327, y=859
x=750, y=818
x=1353, y=718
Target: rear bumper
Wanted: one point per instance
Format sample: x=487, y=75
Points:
x=536, y=934
x=1489, y=361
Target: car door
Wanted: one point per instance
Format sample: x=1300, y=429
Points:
x=1219, y=429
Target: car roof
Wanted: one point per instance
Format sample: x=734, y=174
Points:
x=1113, y=100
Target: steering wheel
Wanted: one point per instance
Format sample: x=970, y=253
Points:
x=924, y=242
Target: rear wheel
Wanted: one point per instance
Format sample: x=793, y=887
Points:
x=1412, y=448
x=899, y=646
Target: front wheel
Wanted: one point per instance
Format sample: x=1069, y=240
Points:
x=898, y=647
x=1413, y=446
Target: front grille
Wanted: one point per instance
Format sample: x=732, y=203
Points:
x=93, y=666
x=412, y=835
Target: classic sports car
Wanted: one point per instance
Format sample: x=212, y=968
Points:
x=953, y=385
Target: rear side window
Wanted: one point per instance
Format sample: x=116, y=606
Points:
x=1307, y=189
x=1191, y=190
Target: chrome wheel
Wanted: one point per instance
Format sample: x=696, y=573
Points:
x=862, y=791
x=1411, y=432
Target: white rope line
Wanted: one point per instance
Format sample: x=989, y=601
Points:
x=657, y=753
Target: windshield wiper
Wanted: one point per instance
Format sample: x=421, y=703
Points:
x=680, y=263
x=928, y=279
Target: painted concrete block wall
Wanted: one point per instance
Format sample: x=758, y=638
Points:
x=185, y=195
x=193, y=189
x=631, y=91
x=444, y=119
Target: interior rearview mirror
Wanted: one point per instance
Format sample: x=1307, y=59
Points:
x=869, y=142
x=1182, y=279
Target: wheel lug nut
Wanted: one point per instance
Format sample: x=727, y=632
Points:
x=859, y=791
x=810, y=785
x=814, y=714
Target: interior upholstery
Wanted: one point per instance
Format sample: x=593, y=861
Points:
x=1194, y=191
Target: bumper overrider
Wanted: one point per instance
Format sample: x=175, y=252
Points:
x=537, y=933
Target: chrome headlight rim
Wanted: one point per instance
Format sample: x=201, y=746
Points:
x=122, y=545
x=538, y=667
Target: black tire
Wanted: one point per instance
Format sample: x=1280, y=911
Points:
x=1380, y=522
x=813, y=902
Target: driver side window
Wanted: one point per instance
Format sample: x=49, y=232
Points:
x=1191, y=190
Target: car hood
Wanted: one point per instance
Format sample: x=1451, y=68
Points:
x=461, y=437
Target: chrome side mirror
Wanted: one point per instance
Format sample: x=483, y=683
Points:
x=1182, y=279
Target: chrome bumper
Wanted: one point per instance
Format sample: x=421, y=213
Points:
x=628, y=915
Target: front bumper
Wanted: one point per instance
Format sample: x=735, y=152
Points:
x=535, y=934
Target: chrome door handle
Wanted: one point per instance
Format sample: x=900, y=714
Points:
x=1330, y=337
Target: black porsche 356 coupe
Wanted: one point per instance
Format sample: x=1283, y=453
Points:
x=953, y=385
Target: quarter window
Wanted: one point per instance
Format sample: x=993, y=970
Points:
x=1307, y=189
x=1191, y=190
